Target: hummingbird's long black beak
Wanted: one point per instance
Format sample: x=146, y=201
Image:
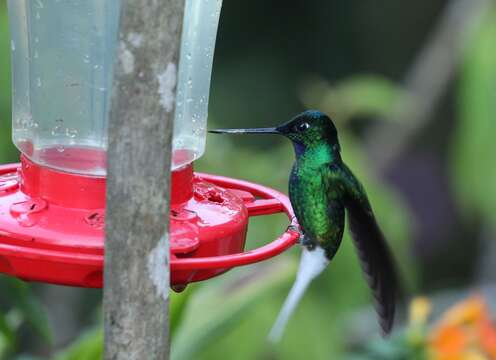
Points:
x=245, y=131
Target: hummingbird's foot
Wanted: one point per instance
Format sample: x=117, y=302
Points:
x=295, y=229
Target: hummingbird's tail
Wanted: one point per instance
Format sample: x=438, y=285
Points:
x=312, y=263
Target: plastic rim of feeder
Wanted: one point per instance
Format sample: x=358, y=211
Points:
x=52, y=225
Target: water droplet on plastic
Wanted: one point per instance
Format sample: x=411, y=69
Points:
x=38, y=15
x=12, y=45
x=36, y=39
x=59, y=128
x=189, y=100
x=26, y=221
x=188, y=56
x=38, y=82
x=72, y=133
x=86, y=59
x=36, y=55
x=190, y=82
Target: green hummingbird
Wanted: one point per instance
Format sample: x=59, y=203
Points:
x=321, y=189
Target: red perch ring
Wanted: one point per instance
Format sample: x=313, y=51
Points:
x=52, y=225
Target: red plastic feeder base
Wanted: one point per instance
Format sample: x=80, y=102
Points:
x=52, y=225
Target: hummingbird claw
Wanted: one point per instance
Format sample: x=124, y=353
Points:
x=295, y=229
x=302, y=240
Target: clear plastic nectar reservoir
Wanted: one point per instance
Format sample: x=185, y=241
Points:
x=201, y=19
x=62, y=57
x=62, y=63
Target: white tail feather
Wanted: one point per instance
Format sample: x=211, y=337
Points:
x=312, y=263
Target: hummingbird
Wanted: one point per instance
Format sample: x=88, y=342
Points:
x=322, y=191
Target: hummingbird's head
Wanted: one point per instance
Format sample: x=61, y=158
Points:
x=310, y=128
x=306, y=130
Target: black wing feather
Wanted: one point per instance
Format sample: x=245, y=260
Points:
x=375, y=257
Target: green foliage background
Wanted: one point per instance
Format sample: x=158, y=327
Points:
x=262, y=78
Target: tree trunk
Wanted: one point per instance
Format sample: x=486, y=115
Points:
x=139, y=154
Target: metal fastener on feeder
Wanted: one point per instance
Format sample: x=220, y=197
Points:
x=52, y=204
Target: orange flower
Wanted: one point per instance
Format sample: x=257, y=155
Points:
x=468, y=312
x=487, y=337
x=465, y=332
x=448, y=342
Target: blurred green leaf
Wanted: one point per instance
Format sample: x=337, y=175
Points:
x=8, y=332
x=20, y=296
x=359, y=95
x=474, y=145
x=27, y=357
x=398, y=346
x=88, y=347
x=216, y=308
x=177, y=308
x=7, y=150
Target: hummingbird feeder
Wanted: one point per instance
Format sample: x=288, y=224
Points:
x=52, y=204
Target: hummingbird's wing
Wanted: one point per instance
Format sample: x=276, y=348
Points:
x=373, y=251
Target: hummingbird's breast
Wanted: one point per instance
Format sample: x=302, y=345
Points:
x=317, y=207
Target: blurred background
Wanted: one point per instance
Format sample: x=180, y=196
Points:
x=411, y=87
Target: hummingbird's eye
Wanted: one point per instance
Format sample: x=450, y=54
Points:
x=302, y=127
